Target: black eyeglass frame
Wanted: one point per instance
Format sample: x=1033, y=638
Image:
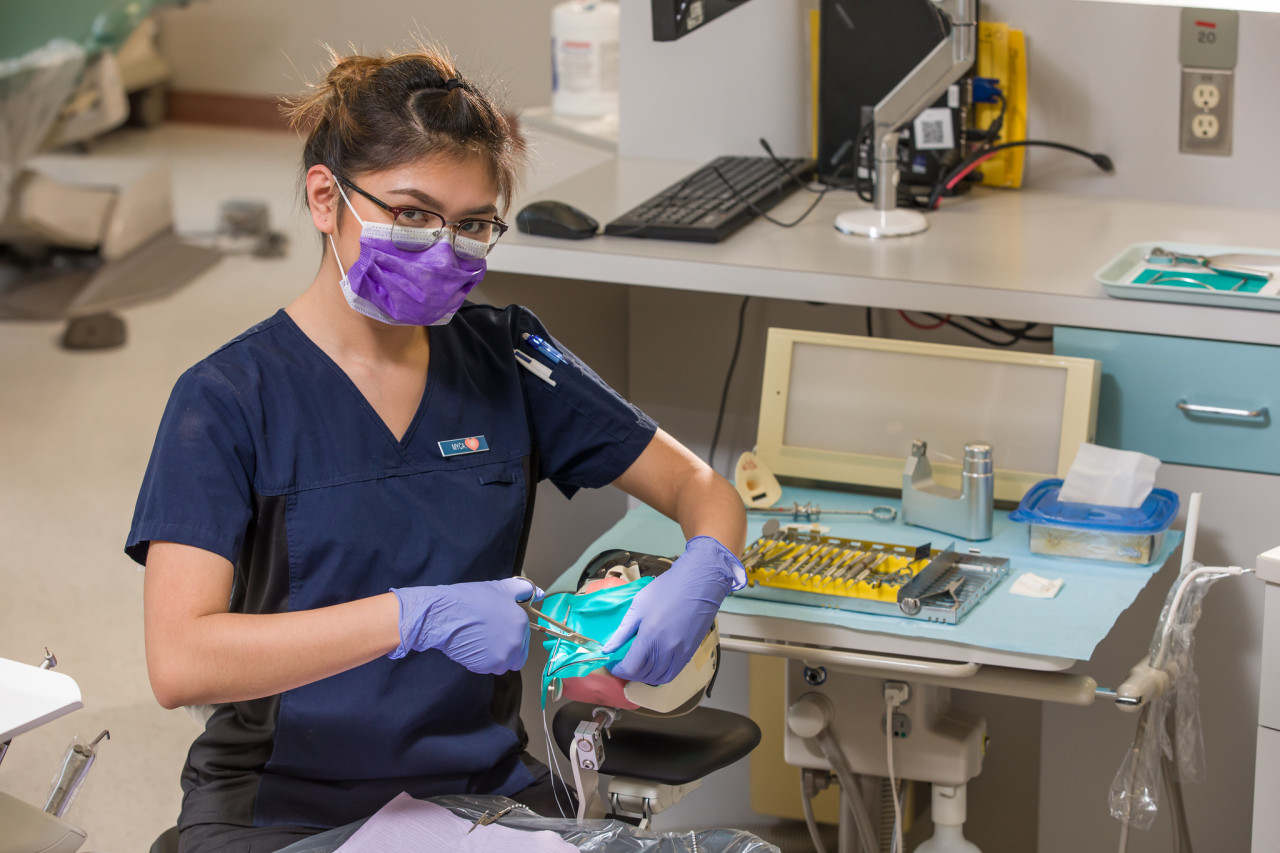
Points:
x=451, y=226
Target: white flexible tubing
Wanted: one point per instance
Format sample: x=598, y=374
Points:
x=1193, y=526
x=1177, y=602
x=554, y=763
x=807, y=803
x=896, y=845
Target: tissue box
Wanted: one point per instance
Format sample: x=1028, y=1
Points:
x=1111, y=533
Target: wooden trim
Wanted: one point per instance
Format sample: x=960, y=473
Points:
x=261, y=112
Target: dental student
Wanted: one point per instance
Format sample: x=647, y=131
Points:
x=332, y=512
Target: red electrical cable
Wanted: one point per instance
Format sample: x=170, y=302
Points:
x=922, y=326
x=951, y=184
x=960, y=176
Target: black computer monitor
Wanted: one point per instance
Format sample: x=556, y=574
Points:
x=675, y=18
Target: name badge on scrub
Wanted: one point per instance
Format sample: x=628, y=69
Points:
x=463, y=446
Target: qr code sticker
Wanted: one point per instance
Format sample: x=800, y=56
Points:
x=932, y=130
x=695, y=14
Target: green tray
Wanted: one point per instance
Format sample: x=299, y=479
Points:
x=1130, y=276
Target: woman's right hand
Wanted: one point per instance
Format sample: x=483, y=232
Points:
x=479, y=625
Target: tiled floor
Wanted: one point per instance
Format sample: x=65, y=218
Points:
x=76, y=429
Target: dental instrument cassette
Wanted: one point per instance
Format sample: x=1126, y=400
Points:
x=800, y=567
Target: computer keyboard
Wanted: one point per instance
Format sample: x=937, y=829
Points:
x=703, y=207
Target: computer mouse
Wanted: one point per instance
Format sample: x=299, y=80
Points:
x=556, y=219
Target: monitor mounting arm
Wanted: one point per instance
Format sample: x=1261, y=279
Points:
x=927, y=82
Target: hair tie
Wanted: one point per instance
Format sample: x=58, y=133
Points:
x=452, y=83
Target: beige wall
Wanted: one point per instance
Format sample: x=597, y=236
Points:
x=249, y=47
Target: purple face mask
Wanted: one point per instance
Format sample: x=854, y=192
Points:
x=405, y=288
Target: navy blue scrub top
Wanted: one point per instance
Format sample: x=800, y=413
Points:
x=269, y=456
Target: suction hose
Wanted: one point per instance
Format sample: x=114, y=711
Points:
x=809, y=717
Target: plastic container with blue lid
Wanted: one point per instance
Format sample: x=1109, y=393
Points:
x=1111, y=533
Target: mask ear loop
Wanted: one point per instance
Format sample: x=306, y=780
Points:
x=337, y=183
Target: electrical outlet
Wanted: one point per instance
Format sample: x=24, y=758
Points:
x=1205, y=126
x=1205, y=96
x=1205, y=117
x=901, y=725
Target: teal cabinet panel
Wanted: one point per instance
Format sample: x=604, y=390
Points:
x=1182, y=400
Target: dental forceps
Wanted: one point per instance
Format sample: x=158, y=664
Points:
x=557, y=629
x=1159, y=255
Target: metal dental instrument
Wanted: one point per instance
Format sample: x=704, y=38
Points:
x=558, y=629
x=1212, y=263
x=1166, y=278
x=487, y=818
x=75, y=768
x=812, y=512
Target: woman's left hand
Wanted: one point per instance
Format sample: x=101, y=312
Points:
x=670, y=616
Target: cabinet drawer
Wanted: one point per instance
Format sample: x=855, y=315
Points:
x=1191, y=402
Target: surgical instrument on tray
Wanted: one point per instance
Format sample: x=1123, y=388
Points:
x=1167, y=278
x=812, y=512
x=1212, y=263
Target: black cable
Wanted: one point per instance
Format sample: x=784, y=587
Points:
x=971, y=332
x=865, y=187
x=758, y=212
x=785, y=169
x=1102, y=161
x=1017, y=332
x=1016, y=335
x=864, y=130
x=870, y=333
x=724, y=394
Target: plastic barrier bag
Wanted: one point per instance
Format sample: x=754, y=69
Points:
x=1169, y=727
x=33, y=89
x=590, y=836
x=612, y=836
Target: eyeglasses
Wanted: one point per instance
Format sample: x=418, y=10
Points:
x=416, y=230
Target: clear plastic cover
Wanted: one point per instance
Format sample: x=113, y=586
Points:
x=1169, y=727
x=33, y=89
x=611, y=836
x=590, y=836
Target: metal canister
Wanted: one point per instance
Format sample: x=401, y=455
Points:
x=979, y=490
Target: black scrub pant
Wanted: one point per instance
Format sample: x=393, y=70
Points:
x=226, y=838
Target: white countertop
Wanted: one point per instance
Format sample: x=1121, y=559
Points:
x=1021, y=255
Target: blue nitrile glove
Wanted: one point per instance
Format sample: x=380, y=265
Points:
x=670, y=616
x=478, y=625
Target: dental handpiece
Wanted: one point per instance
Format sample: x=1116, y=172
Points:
x=75, y=769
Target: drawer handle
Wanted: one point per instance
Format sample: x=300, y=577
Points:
x=1194, y=409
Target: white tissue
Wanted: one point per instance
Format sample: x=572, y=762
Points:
x=1107, y=477
x=1034, y=586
